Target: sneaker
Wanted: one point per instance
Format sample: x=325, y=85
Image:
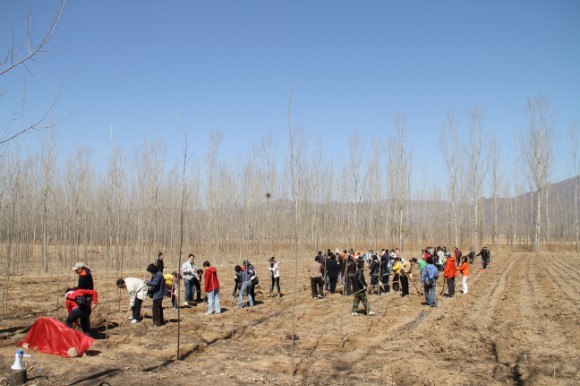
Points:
x=314, y=298
x=320, y=297
x=186, y=303
x=134, y=321
x=370, y=313
x=354, y=313
x=208, y=313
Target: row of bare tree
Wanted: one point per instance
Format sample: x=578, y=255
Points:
x=133, y=209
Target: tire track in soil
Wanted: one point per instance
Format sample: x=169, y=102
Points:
x=563, y=274
x=527, y=339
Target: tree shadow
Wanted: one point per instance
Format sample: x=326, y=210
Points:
x=96, y=375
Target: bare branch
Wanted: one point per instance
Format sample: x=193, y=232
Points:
x=32, y=49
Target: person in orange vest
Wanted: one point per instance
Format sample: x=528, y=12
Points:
x=79, y=304
x=464, y=268
x=449, y=274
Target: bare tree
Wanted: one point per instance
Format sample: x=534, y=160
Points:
x=478, y=166
x=356, y=159
x=20, y=54
x=538, y=152
x=48, y=171
x=495, y=184
x=400, y=161
x=574, y=146
x=449, y=145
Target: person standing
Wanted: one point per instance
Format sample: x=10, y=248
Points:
x=449, y=274
x=137, y=292
x=316, y=272
x=159, y=263
x=85, y=276
x=332, y=273
x=244, y=278
x=157, y=283
x=189, y=271
x=360, y=286
x=396, y=269
x=79, y=304
x=211, y=286
x=374, y=272
x=464, y=269
x=385, y=272
x=404, y=277
x=275, y=275
x=429, y=277
x=484, y=253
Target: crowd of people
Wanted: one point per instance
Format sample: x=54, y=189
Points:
x=332, y=272
x=389, y=272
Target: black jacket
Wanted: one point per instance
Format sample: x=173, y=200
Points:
x=86, y=280
x=359, y=281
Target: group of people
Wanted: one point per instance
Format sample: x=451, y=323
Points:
x=163, y=285
x=389, y=272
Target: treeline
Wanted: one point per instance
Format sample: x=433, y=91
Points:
x=131, y=210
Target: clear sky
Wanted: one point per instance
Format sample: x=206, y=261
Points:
x=229, y=66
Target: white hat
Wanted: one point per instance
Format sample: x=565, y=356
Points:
x=78, y=266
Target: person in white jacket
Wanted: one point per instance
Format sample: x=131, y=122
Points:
x=137, y=292
x=275, y=274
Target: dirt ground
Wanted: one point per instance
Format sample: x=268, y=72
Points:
x=518, y=325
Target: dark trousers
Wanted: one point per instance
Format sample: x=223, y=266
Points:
x=332, y=283
x=349, y=283
x=316, y=286
x=197, y=290
x=450, y=286
x=84, y=314
x=158, y=312
x=136, y=309
x=404, y=285
x=385, y=280
x=189, y=289
x=253, y=290
x=275, y=282
x=485, y=263
x=374, y=283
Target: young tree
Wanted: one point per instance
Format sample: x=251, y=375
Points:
x=448, y=144
x=495, y=184
x=538, y=143
x=478, y=166
x=400, y=162
x=574, y=146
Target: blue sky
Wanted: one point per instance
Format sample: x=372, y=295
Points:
x=229, y=66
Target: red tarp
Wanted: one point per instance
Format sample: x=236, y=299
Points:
x=53, y=337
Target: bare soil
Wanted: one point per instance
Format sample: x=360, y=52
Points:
x=518, y=325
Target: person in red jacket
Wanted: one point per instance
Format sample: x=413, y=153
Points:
x=464, y=268
x=79, y=304
x=449, y=274
x=211, y=287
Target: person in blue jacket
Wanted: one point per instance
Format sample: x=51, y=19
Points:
x=157, y=284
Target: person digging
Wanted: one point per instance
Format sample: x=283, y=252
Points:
x=360, y=286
